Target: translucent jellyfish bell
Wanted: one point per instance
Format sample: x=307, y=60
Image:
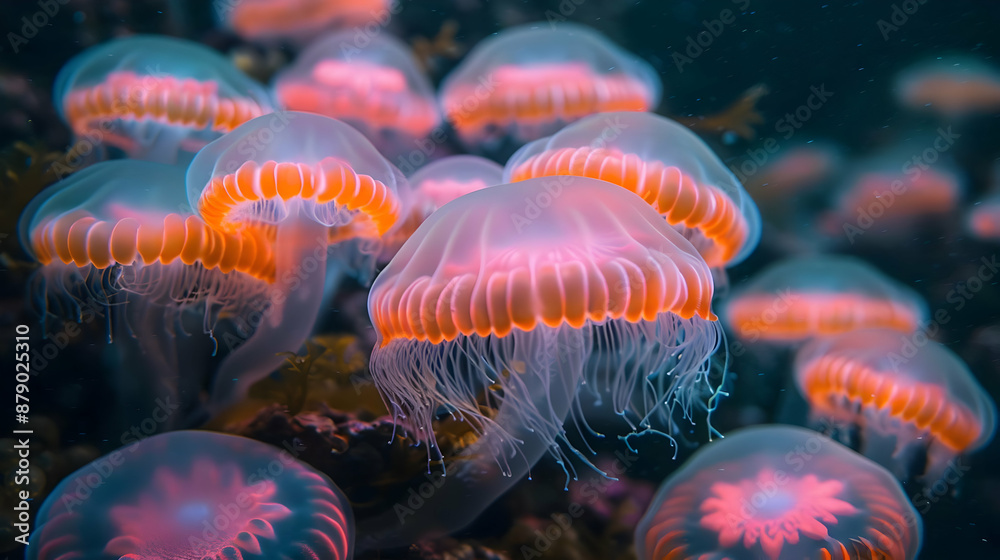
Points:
x=378, y=88
x=776, y=492
x=192, y=494
x=155, y=98
x=663, y=162
x=531, y=80
x=904, y=392
x=817, y=296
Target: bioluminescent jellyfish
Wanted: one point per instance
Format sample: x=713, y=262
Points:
x=304, y=175
x=791, y=172
x=886, y=196
x=905, y=393
x=496, y=320
x=121, y=234
x=663, y=162
x=983, y=219
x=155, y=98
x=304, y=19
x=818, y=296
x=193, y=494
x=437, y=184
x=446, y=179
x=951, y=86
x=776, y=493
x=378, y=89
x=530, y=81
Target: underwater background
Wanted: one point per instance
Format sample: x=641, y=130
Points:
x=326, y=403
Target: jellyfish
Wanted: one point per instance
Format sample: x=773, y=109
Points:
x=792, y=173
x=953, y=87
x=530, y=81
x=155, y=98
x=378, y=89
x=904, y=392
x=121, y=234
x=437, y=184
x=886, y=196
x=663, y=162
x=194, y=494
x=776, y=492
x=820, y=296
x=498, y=320
x=983, y=220
x=445, y=180
x=305, y=176
x=304, y=19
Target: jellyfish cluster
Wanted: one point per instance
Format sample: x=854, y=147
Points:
x=540, y=271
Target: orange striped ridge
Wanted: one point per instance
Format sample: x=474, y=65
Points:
x=79, y=238
x=671, y=192
x=542, y=94
x=553, y=294
x=925, y=405
x=803, y=315
x=329, y=181
x=172, y=101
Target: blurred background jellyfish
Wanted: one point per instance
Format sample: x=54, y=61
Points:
x=496, y=320
x=790, y=186
x=818, y=296
x=155, y=98
x=304, y=176
x=777, y=492
x=437, y=184
x=983, y=219
x=446, y=179
x=121, y=234
x=663, y=162
x=193, y=494
x=886, y=197
x=529, y=81
x=952, y=87
x=905, y=393
x=378, y=88
x=302, y=20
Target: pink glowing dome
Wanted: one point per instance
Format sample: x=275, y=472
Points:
x=779, y=492
x=192, y=494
